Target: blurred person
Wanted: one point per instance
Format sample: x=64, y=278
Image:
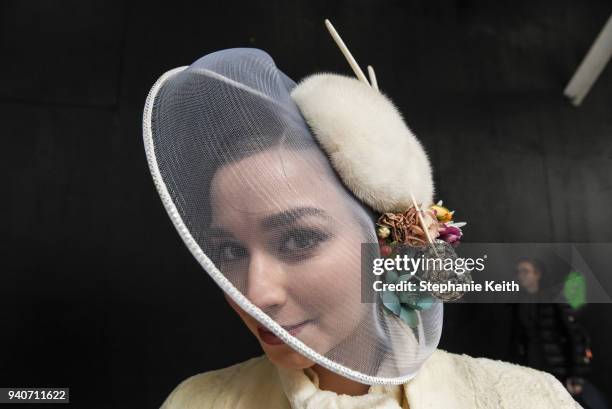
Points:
x=546, y=334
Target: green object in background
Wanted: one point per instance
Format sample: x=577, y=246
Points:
x=574, y=289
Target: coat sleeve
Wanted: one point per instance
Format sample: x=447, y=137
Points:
x=460, y=381
x=513, y=386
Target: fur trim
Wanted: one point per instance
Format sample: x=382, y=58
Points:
x=377, y=156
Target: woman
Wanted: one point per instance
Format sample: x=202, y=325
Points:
x=278, y=211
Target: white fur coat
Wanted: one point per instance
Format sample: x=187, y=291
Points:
x=446, y=381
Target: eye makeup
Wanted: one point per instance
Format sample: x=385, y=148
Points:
x=298, y=243
x=291, y=236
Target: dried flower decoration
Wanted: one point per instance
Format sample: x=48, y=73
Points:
x=396, y=231
x=449, y=231
x=406, y=228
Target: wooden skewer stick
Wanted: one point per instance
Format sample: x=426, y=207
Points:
x=374, y=84
x=347, y=54
x=425, y=229
x=372, y=76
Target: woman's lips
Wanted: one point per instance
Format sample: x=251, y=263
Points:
x=269, y=338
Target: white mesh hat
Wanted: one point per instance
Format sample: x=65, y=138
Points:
x=276, y=210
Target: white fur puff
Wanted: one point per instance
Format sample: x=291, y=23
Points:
x=373, y=150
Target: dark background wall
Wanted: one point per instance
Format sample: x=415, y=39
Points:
x=98, y=293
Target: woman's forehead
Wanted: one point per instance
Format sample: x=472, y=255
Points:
x=275, y=175
x=275, y=180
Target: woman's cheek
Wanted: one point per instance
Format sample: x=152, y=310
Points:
x=331, y=279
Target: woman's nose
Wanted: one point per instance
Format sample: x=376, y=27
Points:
x=266, y=281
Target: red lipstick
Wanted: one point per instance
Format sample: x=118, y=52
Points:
x=269, y=338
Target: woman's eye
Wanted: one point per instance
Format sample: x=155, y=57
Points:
x=302, y=240
x=230, y=252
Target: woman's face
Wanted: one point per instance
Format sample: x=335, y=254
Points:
x=288, y=236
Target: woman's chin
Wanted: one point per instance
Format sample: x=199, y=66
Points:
x=285, y=357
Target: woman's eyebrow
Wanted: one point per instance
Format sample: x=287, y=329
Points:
x=218, y=232
x=290, y=216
